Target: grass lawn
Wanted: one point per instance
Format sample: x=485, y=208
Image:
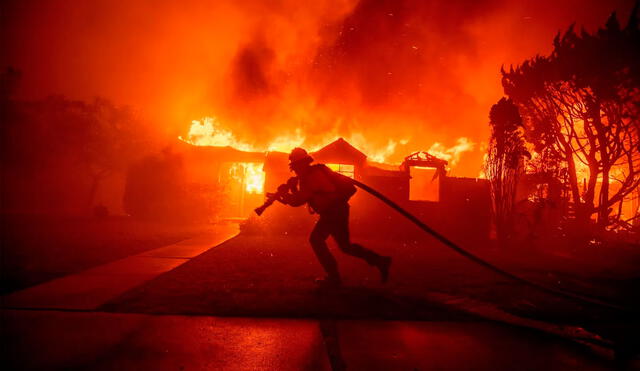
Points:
x=271, y=274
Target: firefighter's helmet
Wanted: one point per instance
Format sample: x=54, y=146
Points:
x=299, y=155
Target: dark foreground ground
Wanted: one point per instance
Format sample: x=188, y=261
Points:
x=248, y=273
x=438, y=311
x=261, y=276
x=38, y=248
x=108, y=341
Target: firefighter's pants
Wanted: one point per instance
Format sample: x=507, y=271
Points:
x=335, y=223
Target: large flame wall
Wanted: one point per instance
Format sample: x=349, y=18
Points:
x=400, y=75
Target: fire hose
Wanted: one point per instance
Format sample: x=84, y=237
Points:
x=478, y=260
x=450, y=244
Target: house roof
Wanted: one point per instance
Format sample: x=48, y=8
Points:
x=219, y=154
x=422, y=158
x=339, y=151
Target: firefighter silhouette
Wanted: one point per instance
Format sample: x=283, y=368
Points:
x=327, y=193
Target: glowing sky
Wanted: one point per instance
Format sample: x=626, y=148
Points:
x=411, y=70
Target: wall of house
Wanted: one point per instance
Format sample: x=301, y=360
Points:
x=464, y=206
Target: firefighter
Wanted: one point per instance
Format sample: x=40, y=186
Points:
x=327, y=194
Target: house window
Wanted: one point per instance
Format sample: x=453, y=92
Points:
x=424, y=185
x=344, y=169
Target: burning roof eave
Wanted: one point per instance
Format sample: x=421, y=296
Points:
x=223, y=154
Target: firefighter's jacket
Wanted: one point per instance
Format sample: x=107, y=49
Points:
x=315, y=188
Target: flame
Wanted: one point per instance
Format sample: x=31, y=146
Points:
x=373, y=153
x=451, y=154
x=616, y=176
x=286, y=143
x=253, y=178
x=250, y=174
x=209, y=131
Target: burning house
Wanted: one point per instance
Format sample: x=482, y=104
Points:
x=419, y=184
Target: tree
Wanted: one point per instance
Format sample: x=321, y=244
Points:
x=157, y=188
x=112, y=142
x=504, y=163
x=581, y=105
x=55, y=152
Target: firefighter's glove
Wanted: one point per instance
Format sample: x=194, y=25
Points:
x=283, y=189
x=292, y=183
x=286, y=198
x=277, y=196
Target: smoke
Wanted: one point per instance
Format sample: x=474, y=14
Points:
x=250, y=72
x=407, y=71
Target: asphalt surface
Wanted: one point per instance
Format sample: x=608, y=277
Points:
x=251, y=304
x=55, y=340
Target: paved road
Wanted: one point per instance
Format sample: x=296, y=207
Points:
x=60, y=326
x=54, y=340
